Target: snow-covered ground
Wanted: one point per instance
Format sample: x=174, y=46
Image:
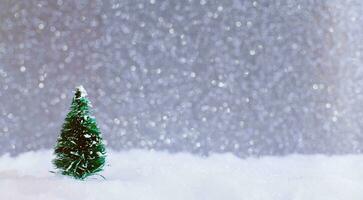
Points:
x=144, y=175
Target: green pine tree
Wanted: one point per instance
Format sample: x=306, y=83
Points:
x=80, y=151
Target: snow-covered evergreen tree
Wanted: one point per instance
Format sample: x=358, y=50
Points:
x=80, y=151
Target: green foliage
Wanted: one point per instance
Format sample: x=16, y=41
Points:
x=80, y=151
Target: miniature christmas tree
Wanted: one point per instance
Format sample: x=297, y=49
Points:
x=80, y=151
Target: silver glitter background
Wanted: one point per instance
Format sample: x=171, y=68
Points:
x=248, y=77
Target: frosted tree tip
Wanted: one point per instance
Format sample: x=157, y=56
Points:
x=81, y=92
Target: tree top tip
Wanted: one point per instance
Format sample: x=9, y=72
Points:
x=80, y=91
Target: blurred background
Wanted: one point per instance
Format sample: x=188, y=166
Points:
x=250, y=77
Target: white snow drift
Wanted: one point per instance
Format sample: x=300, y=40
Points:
x=144, y=175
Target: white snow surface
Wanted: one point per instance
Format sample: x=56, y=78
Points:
x=149, y=175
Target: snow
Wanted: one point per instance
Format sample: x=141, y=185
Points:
x=154, y=175
x=272, y=64
x=82, y=90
